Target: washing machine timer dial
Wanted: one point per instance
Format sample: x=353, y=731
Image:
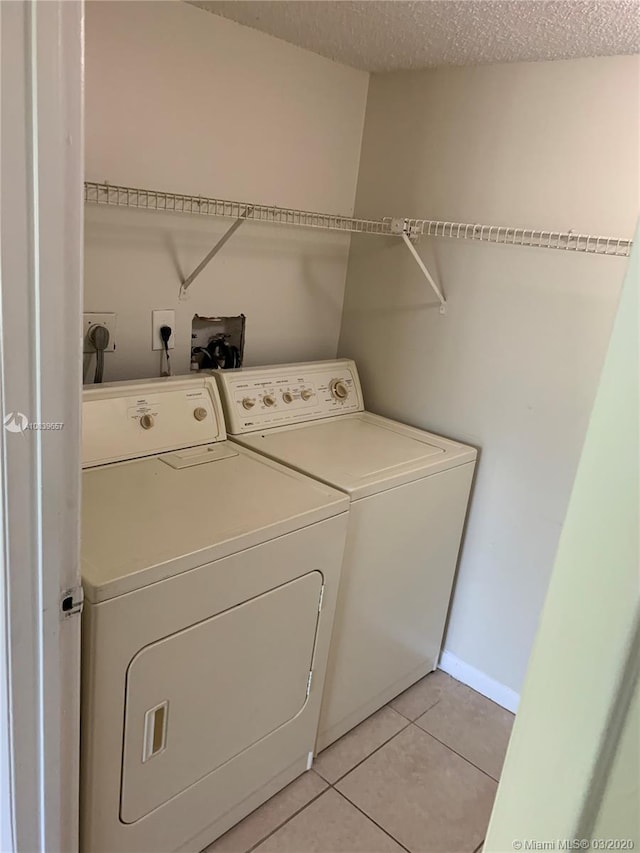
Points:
x=146, y=421
x=339, y=390
x=269, y=400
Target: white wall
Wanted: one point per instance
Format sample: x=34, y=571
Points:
x=185, y=101
x=513, y=366
x=572, y=765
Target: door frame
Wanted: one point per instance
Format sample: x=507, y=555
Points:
x=41, y=245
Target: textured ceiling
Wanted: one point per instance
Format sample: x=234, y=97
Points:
x=391, y=35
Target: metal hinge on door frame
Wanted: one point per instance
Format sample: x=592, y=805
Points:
x=72, y=601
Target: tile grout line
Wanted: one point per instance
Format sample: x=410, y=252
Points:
x=368, y=817
x=409, y=723
x=446, y=745
x=403, y=729
x=331, y=785
x=367, y=756
x=291, y=816
x=430, y=708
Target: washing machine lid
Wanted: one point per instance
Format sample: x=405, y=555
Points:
x=360, y=454
x=148, y=519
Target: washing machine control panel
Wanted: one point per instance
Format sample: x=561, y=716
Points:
x=266, y=397
x=125, y=420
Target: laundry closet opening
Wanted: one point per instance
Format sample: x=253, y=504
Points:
x=350, y=276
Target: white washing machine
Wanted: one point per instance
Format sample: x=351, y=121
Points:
x=409, y=491
x=210, y=576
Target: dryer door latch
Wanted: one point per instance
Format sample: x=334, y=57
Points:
x=71, y=602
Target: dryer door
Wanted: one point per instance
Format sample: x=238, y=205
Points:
x=196, y=699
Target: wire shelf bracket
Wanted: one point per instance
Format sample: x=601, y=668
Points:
x=403, y=229
x=188, y=281
x=409, y=230
x=425, y=272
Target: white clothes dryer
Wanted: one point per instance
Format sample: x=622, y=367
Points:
x=409, y=491
x=210, y=576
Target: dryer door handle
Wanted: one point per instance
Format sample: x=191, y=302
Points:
x=155, y=730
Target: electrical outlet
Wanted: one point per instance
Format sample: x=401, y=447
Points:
x=108, y=320
x=158, y=320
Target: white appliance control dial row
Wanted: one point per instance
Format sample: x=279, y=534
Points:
x=157, y=418
x=265, y=397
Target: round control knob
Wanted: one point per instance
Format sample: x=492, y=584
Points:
x=269, y=400
x=306, y=394
x=146, y=421
x=248, y=403
x=200, y=413
x=339, y=389
x=287, y=397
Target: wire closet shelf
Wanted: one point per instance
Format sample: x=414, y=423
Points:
x=409, y=230
x=200, y=206
x=142, y=199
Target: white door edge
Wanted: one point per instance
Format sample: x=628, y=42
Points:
x=41, y=174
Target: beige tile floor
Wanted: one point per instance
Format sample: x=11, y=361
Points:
x=419, y=775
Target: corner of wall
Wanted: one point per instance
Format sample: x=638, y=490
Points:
x=479, y=681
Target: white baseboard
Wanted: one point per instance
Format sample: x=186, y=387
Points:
x=472, y=677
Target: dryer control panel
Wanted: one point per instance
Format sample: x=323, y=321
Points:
x=256, y=398
x=125, y=420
